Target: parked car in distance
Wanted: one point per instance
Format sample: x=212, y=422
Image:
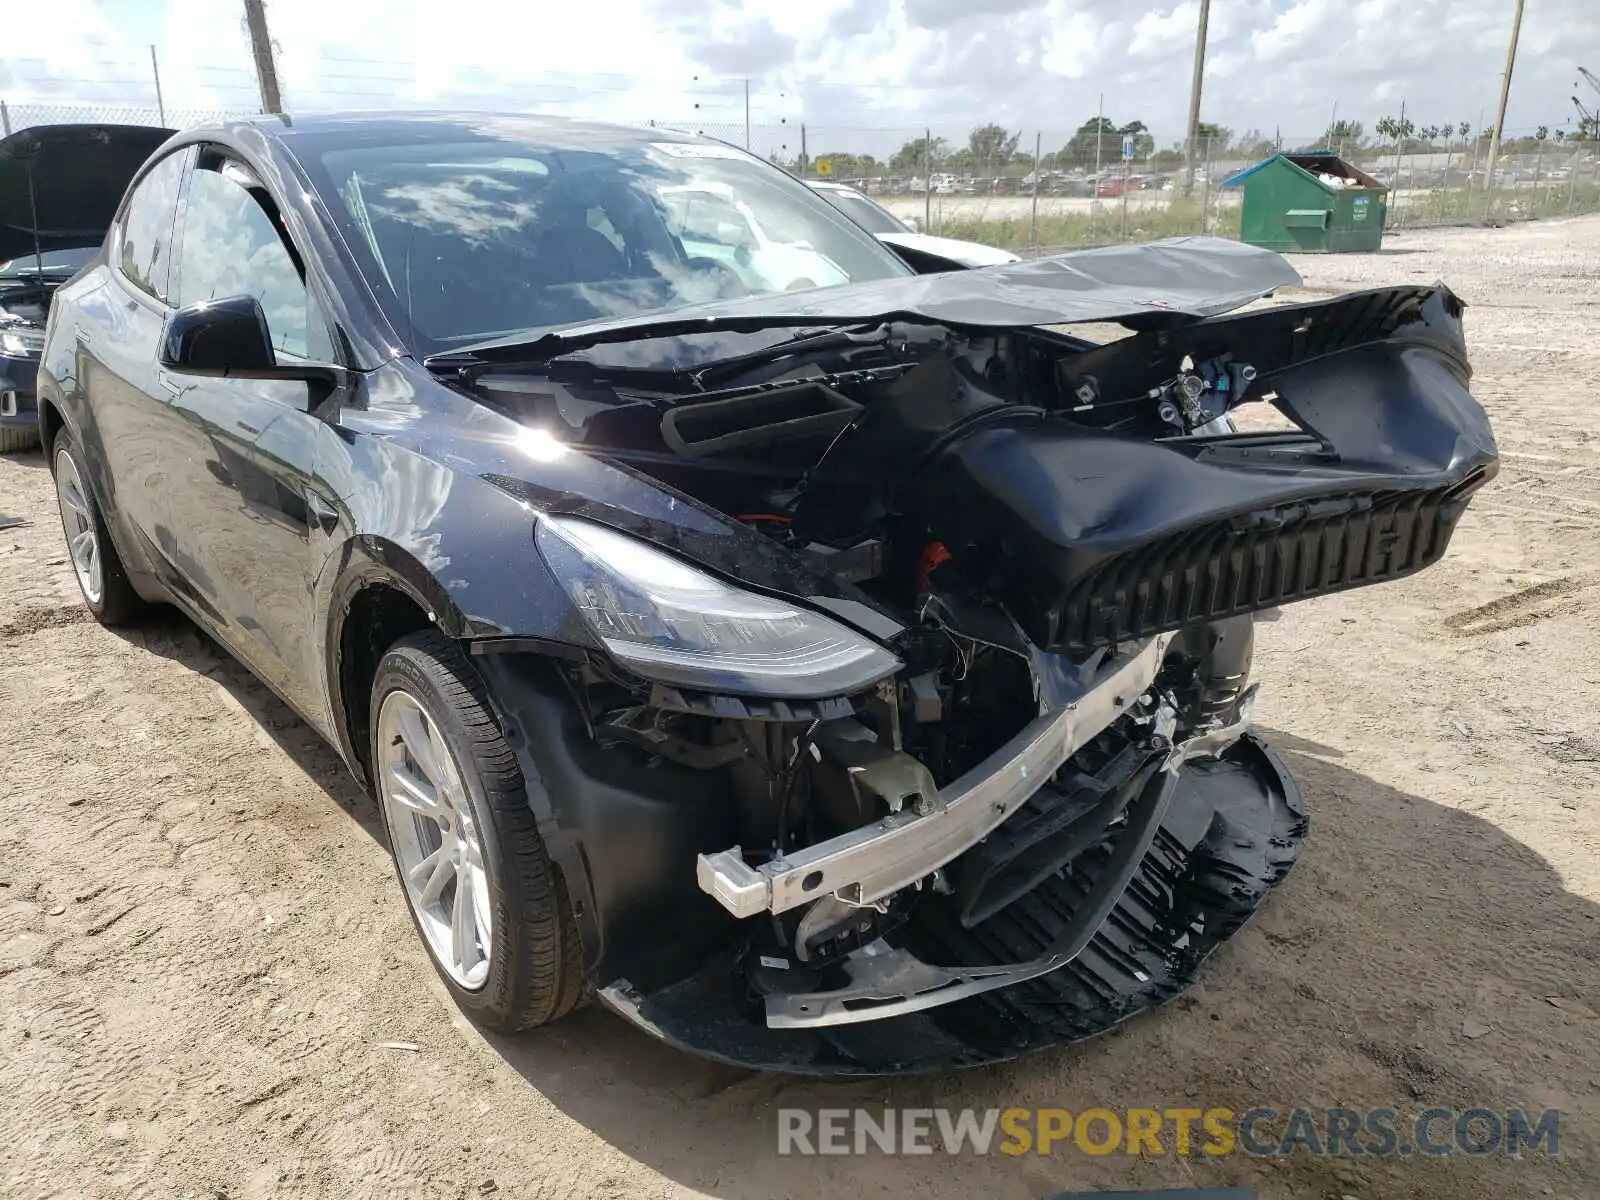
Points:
x=712, y=221
x=891, y=230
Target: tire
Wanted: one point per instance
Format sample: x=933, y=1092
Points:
x=17, y=437
x=533, y=970
x=110, y=597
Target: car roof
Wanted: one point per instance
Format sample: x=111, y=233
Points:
x=321, y=131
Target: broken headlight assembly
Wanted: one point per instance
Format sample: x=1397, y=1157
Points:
x=670, y=622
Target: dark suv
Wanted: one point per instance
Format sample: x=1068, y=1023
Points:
x=26, y=285
x=59, y=185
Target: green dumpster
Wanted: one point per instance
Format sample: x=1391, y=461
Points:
x=1314, y=202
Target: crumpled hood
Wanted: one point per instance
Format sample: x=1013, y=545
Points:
x=1148, y=284
x=72, y=177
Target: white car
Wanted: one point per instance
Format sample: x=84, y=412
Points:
x=712, y=222
x=893, y=232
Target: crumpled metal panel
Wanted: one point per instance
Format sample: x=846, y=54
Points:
x=1191, y=277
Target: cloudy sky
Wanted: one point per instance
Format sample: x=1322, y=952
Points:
x=860, y=74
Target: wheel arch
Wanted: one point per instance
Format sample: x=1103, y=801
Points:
x=381, y=594
x=51, y=422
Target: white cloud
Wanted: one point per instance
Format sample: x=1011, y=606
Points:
x=856, y=73
x=1165, y=32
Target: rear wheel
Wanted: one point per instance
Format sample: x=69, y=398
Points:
x=17, y=437
x=482, y=891
x=101, y=577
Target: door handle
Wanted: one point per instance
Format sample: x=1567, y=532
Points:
x=323, y=514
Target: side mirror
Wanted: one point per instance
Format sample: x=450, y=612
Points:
x=911, y=223
x=229, y=339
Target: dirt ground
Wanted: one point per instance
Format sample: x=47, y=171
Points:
x=203, y=952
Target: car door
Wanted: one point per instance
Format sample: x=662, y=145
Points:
x=251, y=508
x=118, y=329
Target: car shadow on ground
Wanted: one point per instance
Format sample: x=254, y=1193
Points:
x=1364, y=1012
x=171, y=635
x=1325, y=999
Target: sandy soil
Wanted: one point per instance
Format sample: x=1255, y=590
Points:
x=202, y=950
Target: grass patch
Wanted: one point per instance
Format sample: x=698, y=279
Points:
x=1097, y=228
x=1104, y=226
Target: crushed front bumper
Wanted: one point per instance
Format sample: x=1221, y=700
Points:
x=867, y=864
x=1229, y=831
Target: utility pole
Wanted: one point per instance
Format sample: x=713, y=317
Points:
x=1505, y=95
x=1033, y=214
x=255, y=19
x=1099, y=133
x=1194, y=97
x=155, y=69
x=927, y=181
x=747, y=114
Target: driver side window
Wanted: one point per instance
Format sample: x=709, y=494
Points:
x=231, y=246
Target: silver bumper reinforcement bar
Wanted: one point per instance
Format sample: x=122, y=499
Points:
x=875, y=861
x=888, y=982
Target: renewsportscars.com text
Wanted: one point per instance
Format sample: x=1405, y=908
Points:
x=1260, y=1132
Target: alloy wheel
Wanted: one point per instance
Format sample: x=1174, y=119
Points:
x=77, y=521
x=437, y=845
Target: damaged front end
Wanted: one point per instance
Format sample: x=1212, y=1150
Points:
x=993, y=786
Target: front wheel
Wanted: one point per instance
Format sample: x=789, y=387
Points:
x=482, y=891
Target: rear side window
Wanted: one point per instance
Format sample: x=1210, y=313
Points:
x=144, y=249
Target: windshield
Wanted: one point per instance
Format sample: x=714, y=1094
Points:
x=467, y=239
x=874, y=218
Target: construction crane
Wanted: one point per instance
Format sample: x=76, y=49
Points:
x=1588, y=118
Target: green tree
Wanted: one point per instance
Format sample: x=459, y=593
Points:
x=992, y=148
x=1396, y=129
x=1144, y=144
x=919, y=154
x=848, y=166
x=1096, y=132
x=1348, y=134
x=1216, y=138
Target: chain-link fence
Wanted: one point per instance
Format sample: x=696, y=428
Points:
x=22, y=116
x=1050, y=189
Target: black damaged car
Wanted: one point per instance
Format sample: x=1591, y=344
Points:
x=848, y=679
x=54, y=209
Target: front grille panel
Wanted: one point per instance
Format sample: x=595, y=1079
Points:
x=1269, y=557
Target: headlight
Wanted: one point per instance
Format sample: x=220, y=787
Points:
x=671, y=622
x=21, y=343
